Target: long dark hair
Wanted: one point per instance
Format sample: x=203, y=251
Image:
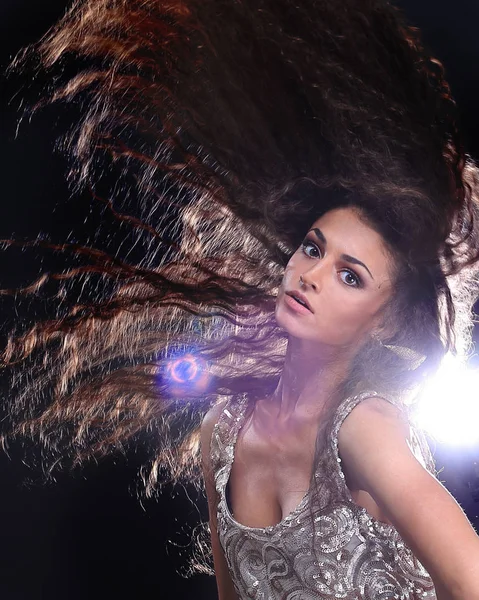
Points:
x=228, y=127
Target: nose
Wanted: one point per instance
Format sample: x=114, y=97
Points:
x=312, y=277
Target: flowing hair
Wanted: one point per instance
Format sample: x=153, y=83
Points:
x=214, y=133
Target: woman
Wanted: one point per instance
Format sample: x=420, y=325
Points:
x=276, y=534
x=228, y=130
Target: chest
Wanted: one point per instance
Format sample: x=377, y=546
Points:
x=271, y=471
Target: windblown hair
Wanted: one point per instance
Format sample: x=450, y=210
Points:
x=227, y=127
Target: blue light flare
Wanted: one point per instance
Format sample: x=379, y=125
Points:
x=186, y=373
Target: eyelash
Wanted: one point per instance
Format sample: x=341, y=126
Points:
x=307, y=243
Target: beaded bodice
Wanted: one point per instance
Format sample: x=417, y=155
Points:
x=328, y=546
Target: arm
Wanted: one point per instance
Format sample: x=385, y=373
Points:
x=226, y=589
x=424, y=513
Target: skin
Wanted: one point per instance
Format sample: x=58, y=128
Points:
x=346, y=300
x=275, y=447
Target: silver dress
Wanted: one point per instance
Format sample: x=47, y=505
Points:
x=328, y=546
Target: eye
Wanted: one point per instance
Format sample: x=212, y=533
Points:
x=347, y=276
x=350, y=278
x=307, y=245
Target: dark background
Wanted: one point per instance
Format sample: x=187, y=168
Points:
x=88, y=535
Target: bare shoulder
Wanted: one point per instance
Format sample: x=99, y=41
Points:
x=374, y=416
x=374, y=436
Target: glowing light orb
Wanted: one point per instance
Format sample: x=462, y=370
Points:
x=449, y=407
x=184, y=369
x=187, y=372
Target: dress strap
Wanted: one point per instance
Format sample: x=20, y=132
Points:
x=421, y=450
x=224, y=436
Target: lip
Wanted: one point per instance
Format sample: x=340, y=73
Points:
x=301, y=297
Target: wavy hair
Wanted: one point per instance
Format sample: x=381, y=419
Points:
x=214, y=133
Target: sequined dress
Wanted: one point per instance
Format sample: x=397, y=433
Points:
x=328, y=546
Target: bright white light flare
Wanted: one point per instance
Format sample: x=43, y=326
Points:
x=449, y=407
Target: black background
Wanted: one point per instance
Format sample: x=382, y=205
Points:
x=89, y=536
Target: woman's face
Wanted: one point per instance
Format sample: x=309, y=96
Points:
x=346, y=274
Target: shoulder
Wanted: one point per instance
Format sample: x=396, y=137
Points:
x=374, y=445
x=207, y=425
x=372, y=416
x=374, y=434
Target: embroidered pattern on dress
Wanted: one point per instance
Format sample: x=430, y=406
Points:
x=328, y=547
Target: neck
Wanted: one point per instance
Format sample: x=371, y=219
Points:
x=310, y=376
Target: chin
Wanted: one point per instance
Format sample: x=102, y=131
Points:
x=292, y=326
x=284, y=322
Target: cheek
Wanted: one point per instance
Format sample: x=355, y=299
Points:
x=358, y=315
x=346, y=314
x=291, y=274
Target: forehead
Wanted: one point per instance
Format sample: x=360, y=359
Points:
x=347, y=233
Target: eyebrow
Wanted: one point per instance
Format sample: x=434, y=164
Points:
x=355, y=261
